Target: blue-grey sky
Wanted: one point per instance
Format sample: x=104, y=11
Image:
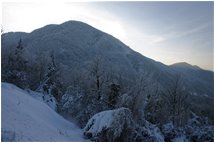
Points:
x=168, y=32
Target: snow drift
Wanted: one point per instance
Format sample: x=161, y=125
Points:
x=26, y=119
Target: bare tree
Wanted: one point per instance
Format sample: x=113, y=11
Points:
x=96, y=70
x=175, y=99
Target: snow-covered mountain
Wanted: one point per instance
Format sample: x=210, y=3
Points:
x=199, y=79
x=75, y=44
x=185, y=65
x=25, y=118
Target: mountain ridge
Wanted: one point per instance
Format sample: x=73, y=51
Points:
x=75, y=43
x=186, y=65
x=82, y=24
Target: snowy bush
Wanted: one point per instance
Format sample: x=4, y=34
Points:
x=151, y=133
x=125, y=100
x=111, y=126
x=198, y=129
x=172, y=133
x=118, y=125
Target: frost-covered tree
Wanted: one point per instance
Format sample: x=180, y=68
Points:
x=96, y=70
x=125, y=100
x=38, y=68
x=16, y=69
x=139, y=92
x=52, y=83
x=79, y=105
x=176, y=102
x=153, y=111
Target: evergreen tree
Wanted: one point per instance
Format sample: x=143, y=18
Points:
x=52, y=84
x=17, y=68
x=115, y=88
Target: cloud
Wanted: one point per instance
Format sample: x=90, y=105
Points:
x=185, y=31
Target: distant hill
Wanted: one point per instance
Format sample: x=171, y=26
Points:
x=185, y=65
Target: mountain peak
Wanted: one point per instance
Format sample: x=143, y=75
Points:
x=185, y=65
x=73, y=22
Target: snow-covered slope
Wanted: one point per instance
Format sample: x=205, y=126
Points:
x=46, y=98
x=26, y=119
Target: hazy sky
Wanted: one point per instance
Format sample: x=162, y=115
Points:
x=168, y=32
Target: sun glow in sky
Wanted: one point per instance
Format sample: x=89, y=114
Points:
x=168, y=32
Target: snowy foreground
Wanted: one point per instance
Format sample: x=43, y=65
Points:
x=25, y=118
